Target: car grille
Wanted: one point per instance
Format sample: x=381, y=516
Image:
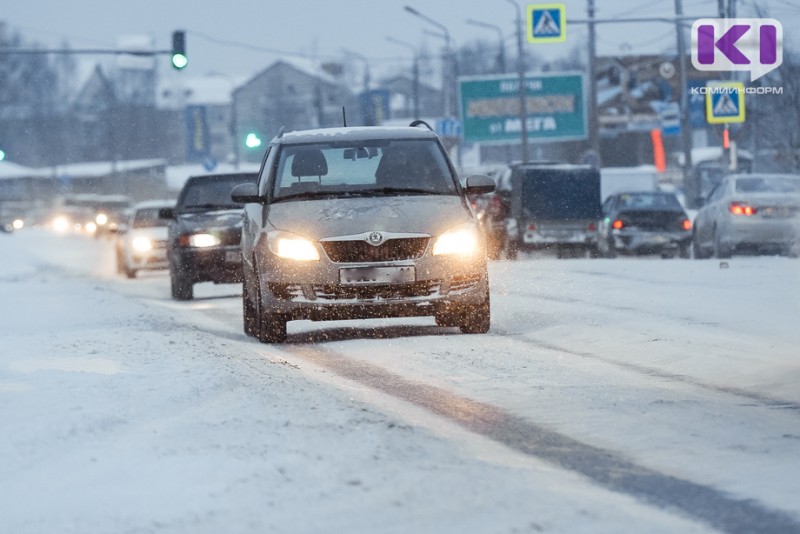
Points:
x=354, y=251
x=464, y=283
x=336, y=292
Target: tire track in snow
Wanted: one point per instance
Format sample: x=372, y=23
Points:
x=605, y=467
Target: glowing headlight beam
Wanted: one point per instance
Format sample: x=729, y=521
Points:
x=461, y=240
x=141, y=244
x=292, y=247
x=203, y=240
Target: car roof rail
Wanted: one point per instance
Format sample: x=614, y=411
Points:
x=417, y=122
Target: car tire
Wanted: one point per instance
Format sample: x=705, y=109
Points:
x=130, y=273
x=477, y=319
x=182, y=289
x=249, y=311
x=268, y=327
x=684, y=251
x=720, y=250
x=512, y=250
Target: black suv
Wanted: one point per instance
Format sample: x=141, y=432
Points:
x=204, y=232
x=353, y=223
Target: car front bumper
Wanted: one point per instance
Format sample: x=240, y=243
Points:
x=221, y=265
x=640, y=241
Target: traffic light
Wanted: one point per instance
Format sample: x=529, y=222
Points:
x=252, y=140
x=179, y=59
x=2, y=155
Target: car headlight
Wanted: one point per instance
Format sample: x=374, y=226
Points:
x=101, y=219
x=461, y=240
x=61, y=224
x=18, y=224
x=141, y=244
x=203, y=240
x=291, y=246
x=90, y=227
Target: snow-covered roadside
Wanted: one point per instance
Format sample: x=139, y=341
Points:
x=119, y=416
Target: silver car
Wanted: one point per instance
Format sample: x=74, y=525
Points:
x=142, y=242
x=756, y=212
x=353, y=223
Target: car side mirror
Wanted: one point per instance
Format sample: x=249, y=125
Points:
x=166, y=213
x=246, y=194
x=479, y=184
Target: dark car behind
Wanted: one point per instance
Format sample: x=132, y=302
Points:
x=644, y=222
x=547, y=206
x=204, y=233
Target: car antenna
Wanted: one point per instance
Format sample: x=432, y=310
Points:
x=344, y=117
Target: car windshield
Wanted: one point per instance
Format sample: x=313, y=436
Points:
x=649, y=201
x=768, y=184
x=210, y=194
x=148, y=218
x=387, y=167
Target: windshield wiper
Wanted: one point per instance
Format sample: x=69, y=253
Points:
x=210, y=206
x=308, y=194
x=398, y=190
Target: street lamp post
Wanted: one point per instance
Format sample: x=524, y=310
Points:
x=415, y=73
x=501, y=58
x=523, y=112
x=448, y=64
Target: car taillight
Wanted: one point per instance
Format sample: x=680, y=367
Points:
x=617, y=224
x=741, y=208
x=686, y=224
x=531, y=227
x=592, y=227
x=183, y=240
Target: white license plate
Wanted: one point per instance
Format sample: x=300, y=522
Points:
x=377, y=275
x=233, y=256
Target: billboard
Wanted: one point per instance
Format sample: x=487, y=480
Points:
x=555, y=104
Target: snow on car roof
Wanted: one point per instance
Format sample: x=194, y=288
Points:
x=355, y=133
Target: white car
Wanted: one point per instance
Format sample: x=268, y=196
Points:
x=759, y=212
x=142, y=244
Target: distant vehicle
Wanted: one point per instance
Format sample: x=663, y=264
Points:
x=550, y=206
x=641, y=222
x=709, y=166
x=354, y=223
x=755, y=212
x=98, y=215
x=142, y=240
x=627, y=179
x=204, y=232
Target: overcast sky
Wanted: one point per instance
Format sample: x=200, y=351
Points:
x=242, y=37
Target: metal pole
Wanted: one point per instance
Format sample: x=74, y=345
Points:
x=447, y=67
x=414, y=73
x=523, y=112
x=686, y=133
x=501, y=57
x=594, y=138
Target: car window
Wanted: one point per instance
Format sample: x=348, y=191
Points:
x=768, y=185
x=648, y=201
x=333, y=168
x=210, y=193
x=148, y=218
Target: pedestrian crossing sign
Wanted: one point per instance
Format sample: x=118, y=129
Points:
x=724, y=102
x=547, y=23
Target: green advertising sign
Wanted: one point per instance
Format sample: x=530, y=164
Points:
x=556, y=109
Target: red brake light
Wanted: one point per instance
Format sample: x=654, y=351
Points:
x=592, y=227
x=741, y=208
x=617, y=224
x=687, y=224
x=531, y=227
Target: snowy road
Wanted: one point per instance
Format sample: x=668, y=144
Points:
x=610, y=396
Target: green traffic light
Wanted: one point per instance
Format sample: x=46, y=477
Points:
x=179, y=61
x=2, y=155
x=252, y=141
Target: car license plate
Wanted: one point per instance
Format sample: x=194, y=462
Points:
x=233, y=256
x=377, y=275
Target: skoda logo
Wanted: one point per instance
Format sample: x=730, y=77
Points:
x=375, y=238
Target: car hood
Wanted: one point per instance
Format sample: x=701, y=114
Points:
x=210, y=219
x=317, y=219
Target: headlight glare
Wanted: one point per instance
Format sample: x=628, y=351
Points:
x=141, y=244
x=203, y=240
x=461, y=240
x=291, y=246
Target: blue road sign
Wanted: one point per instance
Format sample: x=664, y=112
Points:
x=547, y=23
